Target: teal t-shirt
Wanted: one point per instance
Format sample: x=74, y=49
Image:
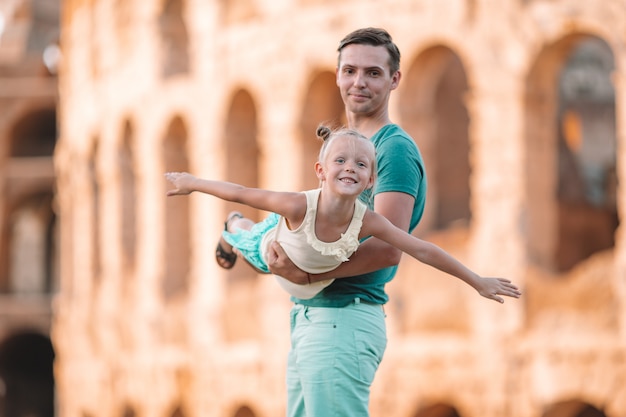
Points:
x=400, y=169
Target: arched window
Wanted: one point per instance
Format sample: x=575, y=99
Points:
x=26, y=375
x=570, y=153
x=322, y=104
x=242, y=155
x=128, y=197
x=177, y=215
x=434, y=113
x=174, y=39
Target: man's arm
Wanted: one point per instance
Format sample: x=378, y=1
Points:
x=372, y=255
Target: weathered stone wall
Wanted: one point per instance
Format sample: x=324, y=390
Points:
x=29, y=34
x=225, y=90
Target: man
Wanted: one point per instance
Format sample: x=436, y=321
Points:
x=339, y=336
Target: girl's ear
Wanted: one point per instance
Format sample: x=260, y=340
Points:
x=319, y=171
x=370, y=183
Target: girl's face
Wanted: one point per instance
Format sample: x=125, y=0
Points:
x=348, y=165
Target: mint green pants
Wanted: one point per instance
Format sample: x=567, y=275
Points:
x=334, y=355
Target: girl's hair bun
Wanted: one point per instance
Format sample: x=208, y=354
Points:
x=323, y=132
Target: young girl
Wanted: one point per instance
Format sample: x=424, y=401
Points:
x=319, y=229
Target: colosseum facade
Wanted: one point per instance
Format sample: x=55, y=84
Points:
x=519, y=108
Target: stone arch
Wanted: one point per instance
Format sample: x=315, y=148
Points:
x=29, y=172
x=124, y=25
x=32, y=245
x=26, y=375
x=128, y=197
x=128, y=411
x=322, y=104
x=573, y=408
x=241, y=153
x=432, y=109
x=241, y=145
x=570, y=147
x=174, y=39
x=35, y=134
x=94, y=184
x=178, y=412
x=437, y=410
x=177, y=214
x=244, y=411
x=240, y=139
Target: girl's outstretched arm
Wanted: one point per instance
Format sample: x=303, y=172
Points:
x=287, y=204
x=431, y=254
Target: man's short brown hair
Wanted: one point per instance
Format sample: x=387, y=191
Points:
x=374, y=37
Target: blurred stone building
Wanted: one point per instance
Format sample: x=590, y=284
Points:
x=518, y=107
x=29, y=35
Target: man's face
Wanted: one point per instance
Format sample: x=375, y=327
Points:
x=363, y=78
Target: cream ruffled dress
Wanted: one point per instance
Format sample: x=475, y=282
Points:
x=308, y=252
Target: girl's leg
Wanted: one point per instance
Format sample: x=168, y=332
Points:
x=243, y=237
x=237, y=221
x=225, y=255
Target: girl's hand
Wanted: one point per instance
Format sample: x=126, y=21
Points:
x=493, y=287
x=182, y=182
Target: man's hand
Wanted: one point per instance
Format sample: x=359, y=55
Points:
x=280, y=264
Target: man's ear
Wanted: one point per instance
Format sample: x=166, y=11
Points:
x=395, y=80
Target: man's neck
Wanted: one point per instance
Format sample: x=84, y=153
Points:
x=367, y=126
